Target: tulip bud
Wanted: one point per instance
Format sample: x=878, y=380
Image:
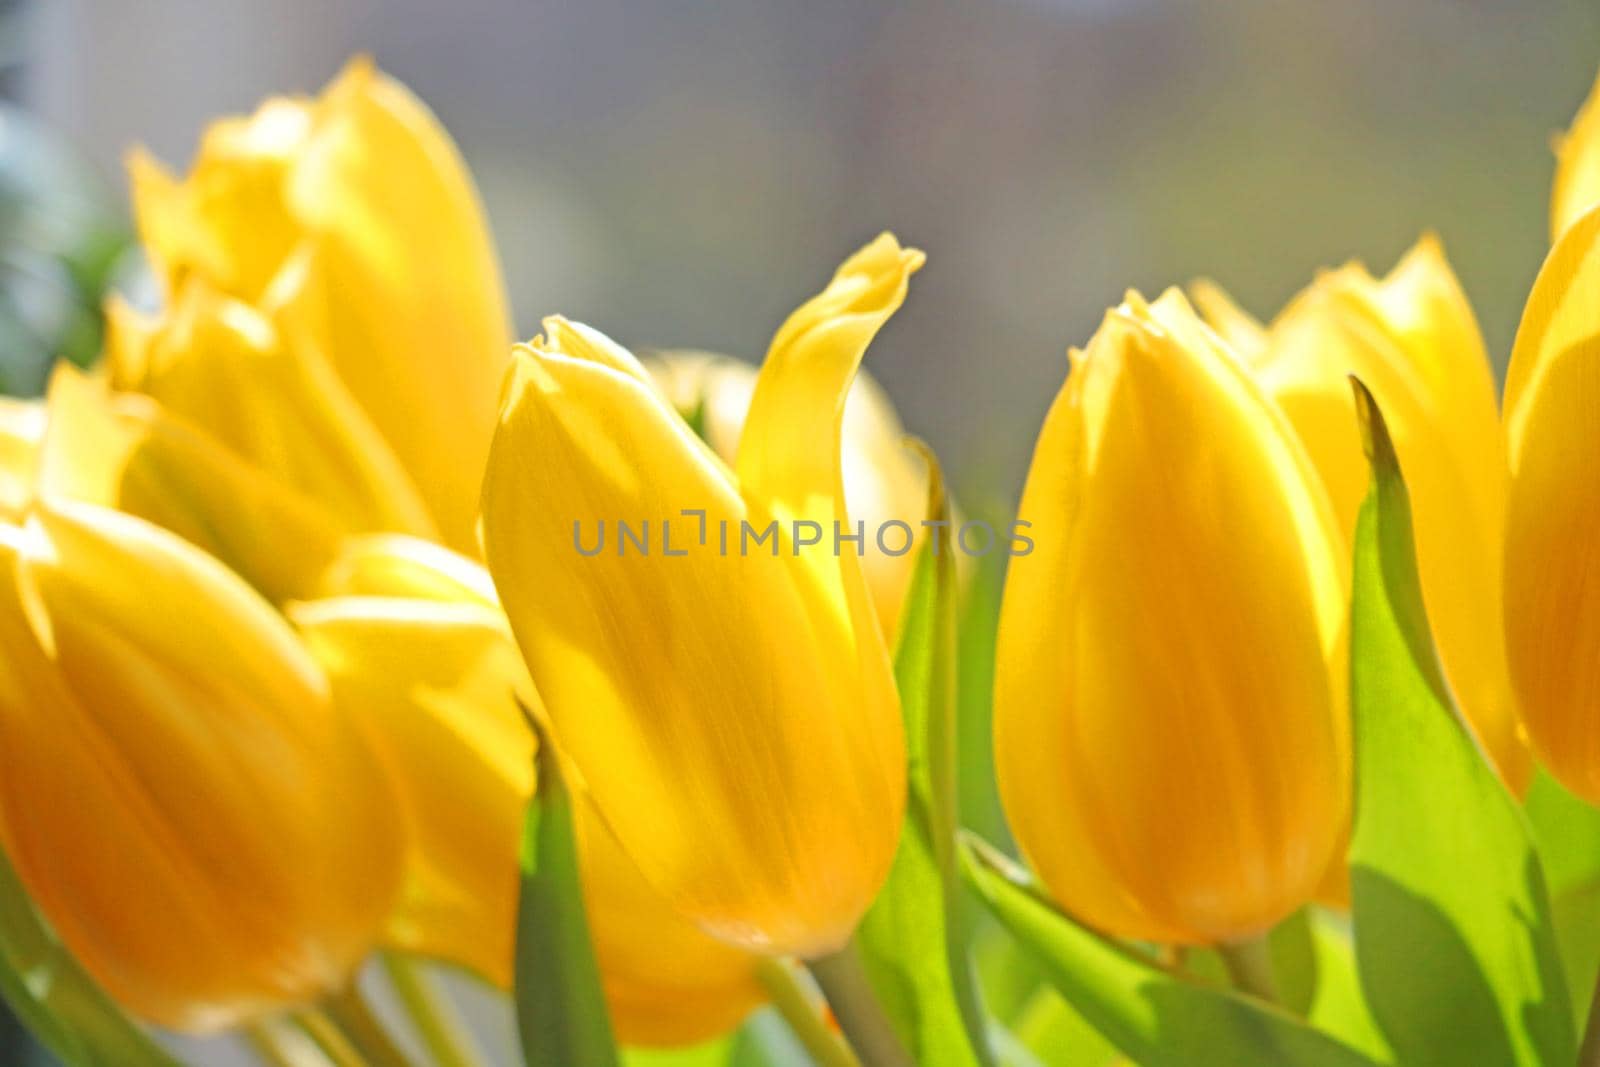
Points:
x=208, y=837
x=1552, y=602
x=1412, y=340
x=729, y=705
x=883, y=479
x=418, y=651
x=1170, y=726
x=352, y=218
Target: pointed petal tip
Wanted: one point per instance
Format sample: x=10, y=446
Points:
x=1375, y=440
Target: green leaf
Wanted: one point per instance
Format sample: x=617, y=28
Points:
x=1338, y=1006
x=1454, y=940
x=1154, y=1017
x=55, y=998
x=561, y=1008
x=983, y=584
x=1056, y=1036
x=1566, y=831
x=914, y=938
x=716, y=1053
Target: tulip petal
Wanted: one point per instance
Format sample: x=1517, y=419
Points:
x=295, y=420
x=884, y=481
x=125, y=451
x=22, y=430
x=435, y=686
x=394, y=565
x=1240, y=329
x=412, y=314
x=1552, y=601
x=1412, y=338
x=436, y=683
x=1577, y=182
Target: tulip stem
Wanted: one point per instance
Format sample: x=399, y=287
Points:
x=270, y=1046
x=1249, y=964
x=431, y=1014
x=795, y=1005
x=843, y=980
x=363, y=1029
x=1589, y=1055
x=329, y=1038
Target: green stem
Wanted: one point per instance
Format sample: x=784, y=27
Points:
x=329, y=1038
x=1249, y=964
x=796, y=1008
x=268, y=1045
x=1589, y=1055
x=844, y=982
x=434, y=1017
x=365, y=1031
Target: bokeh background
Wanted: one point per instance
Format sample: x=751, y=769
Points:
x=683, y=173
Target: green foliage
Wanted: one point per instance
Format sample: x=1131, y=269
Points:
x=914, y=939
x=61, y=242
x=1156, y=1017
x=1454, y=937
x=561, y=1008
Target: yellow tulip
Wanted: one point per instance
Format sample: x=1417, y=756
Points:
x=352, y=218
x=883, y=479
x=418, y=654
x=177, y=793
x=1577, y=182
x=1412, y=339
x=1170, y=726
x=1552, y=605
x=733, y=713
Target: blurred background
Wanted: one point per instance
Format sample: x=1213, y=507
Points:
x=684, y=173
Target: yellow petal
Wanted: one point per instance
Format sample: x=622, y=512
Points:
x=667, y=984
x=717, y=706
x=229, y=220
x=1552, y=602
x=124, y=451
x=884, y=481
x=436, y=682
x=791, y=450
x=435, y=685
x=232, y=848
x=394, y=565
x=1241, y=330
x=402, y=288
x=1412, y=339
x=1577, y=182
x=22, y=428
x=1170, y=722
x=229, y=370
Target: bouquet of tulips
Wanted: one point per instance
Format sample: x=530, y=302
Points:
x=357, y=664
